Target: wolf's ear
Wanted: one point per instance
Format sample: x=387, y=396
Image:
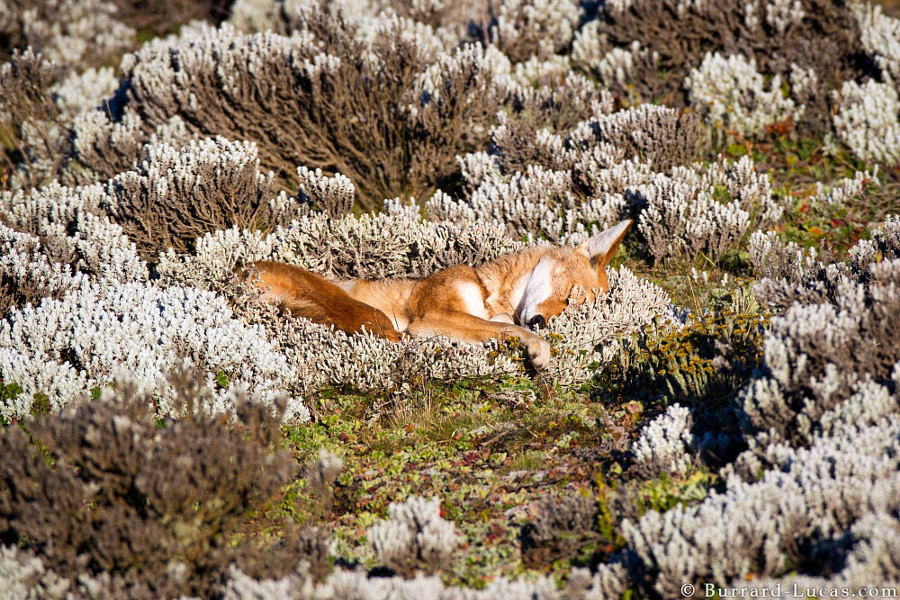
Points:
x=601, y=247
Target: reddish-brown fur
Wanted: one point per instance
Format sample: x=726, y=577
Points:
x=306, y=294
x=471, y=304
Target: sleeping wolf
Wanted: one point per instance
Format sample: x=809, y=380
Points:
x=498, y=300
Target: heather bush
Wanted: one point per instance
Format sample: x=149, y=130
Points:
x=559, y=527
x=837, y=485
x=80, y=32
x=565, y=187
x=835, y=336
x=526, y=28
x=631, y=71
x=27, y=274
x=662, y=136
x=103, y=148
x=94, y=487
x=32, y=146
x=177, y=195
x=170, y=199
x=557, y=102
x=415, y=536
x=389, y=112
x=62, y=348
x=818, y=35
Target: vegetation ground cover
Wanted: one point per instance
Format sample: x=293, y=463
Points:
x=727, y=415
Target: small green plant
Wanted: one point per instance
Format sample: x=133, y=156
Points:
x=704, y=362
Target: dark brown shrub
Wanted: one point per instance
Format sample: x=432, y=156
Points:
x=523, y=29
x=30, y=144
x=467, y=19
x=554, y=105
x=101, y=149
x=559, y=528
x=363, y=109
x=175, y=196
x=663, y=136
x=160, y=18
x=102, y=490
x=826, y=39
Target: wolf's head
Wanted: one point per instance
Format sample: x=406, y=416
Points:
x=564, y=274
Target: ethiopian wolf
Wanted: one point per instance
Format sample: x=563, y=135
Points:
x=500, y=299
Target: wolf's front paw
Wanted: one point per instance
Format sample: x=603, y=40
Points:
x=538, y=352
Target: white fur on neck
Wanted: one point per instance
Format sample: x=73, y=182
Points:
x=538, y=289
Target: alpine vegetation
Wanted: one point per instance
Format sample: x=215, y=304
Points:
x=63, y=348
x=725, y=413
x=414, y=536
x=664, y=442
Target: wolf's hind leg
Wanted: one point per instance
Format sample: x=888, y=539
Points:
x=311, y=296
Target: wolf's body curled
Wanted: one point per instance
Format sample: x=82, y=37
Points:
x=497, y=300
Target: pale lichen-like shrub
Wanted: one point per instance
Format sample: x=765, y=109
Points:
x=63, y=348
x=880, y=34
x=103, y=148
x=70, y=32
x=822, y=492
x=174, y=196
x=771, y=258
x=34, y=140
x=27, y=274
x=732, y=94
x=664, y=444
x=868, y=120
x=817, y=352
x=567, y=186
x=832, y=337
x=415, y=536
x=704, y=211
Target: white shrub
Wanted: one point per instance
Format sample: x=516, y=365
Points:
x=880, y=36
x=697, y=210
x=665, y=442
x=732, y=94
x=414, y=535
x=867, y=120
x=814, y=495
x=772, y=258
x=63, y=348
